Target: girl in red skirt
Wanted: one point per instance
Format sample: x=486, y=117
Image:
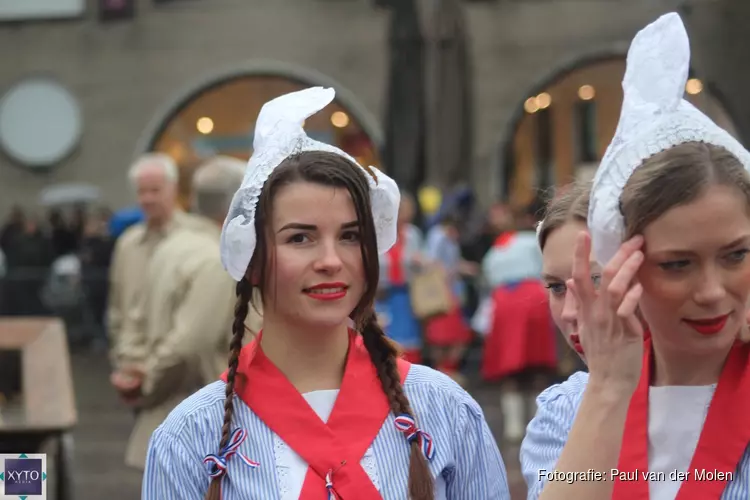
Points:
x=448, y=334
x=519, y=348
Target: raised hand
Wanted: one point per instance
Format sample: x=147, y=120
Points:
x=744, y=334
x=611, y=333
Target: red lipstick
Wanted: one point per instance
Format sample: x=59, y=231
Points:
x=327, y=291
x=710, y=326
x=576, y=340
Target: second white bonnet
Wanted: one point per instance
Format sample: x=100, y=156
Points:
x=654, y=118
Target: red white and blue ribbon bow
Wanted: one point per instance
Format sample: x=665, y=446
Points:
x=407, y=425
x=329, y=485
x=217, y=464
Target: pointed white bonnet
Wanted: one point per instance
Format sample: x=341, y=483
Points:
x=654, y=118
x=279, y=134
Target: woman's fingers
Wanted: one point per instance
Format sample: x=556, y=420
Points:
x=623, y=254
x=571, y=286
x=634, y=327
x=629, y=304
x=744, y=334
x=611, y=309
x=620, y=284
x=585, y=292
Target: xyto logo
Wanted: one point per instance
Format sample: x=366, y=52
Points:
x=23, y=476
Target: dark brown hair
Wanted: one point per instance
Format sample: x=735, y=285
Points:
x=677, y=176
x=328, y=169
x=571, y=204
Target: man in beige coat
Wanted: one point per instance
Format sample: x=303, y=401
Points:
x=154, y=177
x=189, y=308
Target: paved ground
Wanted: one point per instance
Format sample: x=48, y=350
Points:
x=104, y=425
x=100, y=438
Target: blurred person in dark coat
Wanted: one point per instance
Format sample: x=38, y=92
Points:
x=13, y=225
x=63, y=236
x=28, y=258
x=95, y=252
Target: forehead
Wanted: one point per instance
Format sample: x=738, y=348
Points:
x=559, y=250
x=311, y=203
x=715, y=219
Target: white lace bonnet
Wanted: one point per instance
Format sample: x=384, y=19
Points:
x=279, y=134
x=654, y=118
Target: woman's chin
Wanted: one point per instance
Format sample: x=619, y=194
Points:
x=322, y=322
x=697, y=343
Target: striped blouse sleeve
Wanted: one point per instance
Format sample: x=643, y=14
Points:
x=548, y=431
x=172, y=472
x=479, y=471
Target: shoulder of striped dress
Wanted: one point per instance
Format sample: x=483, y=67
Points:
x=437, y=388
x=202, y=406
x=571, y=390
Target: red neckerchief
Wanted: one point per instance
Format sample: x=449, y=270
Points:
x=722, y=442
x=338, y=446
x=395, y=262
x=504, y=239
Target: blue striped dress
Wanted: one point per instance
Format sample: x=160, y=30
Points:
x=548, y=432
x=466, y=466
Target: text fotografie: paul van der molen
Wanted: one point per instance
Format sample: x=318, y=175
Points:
x=635, y=475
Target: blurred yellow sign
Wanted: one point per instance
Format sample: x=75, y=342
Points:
x=430, y=199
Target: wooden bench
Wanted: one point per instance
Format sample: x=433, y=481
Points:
x=44, y=411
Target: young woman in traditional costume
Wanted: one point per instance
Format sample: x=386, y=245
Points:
x=519, y=350
x=312, y=408
x=670, y=218
x=397, y=267
x=564, y=218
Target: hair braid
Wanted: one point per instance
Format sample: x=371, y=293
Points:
x=241, y=309
x=383, y=354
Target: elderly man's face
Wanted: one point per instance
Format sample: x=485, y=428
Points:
x=156, y=194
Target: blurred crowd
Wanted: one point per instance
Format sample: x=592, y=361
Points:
x=438, y=294
x=57, y=265
x=462, y=291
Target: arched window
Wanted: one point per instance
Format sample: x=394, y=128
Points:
x=218, y=118
x=567, y=122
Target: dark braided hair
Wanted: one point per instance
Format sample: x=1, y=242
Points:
x=327, y=169
x=383, y=354
x=241, y=308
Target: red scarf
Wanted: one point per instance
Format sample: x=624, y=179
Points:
x=722, y=442
x=336, y=447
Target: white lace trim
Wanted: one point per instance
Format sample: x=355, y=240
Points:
x=280, y=451
x=370, y=465
x=283, y=453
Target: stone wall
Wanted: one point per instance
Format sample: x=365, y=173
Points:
x=123, y=73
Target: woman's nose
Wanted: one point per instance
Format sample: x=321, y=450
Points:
x=329, y=259
x=570, y=308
